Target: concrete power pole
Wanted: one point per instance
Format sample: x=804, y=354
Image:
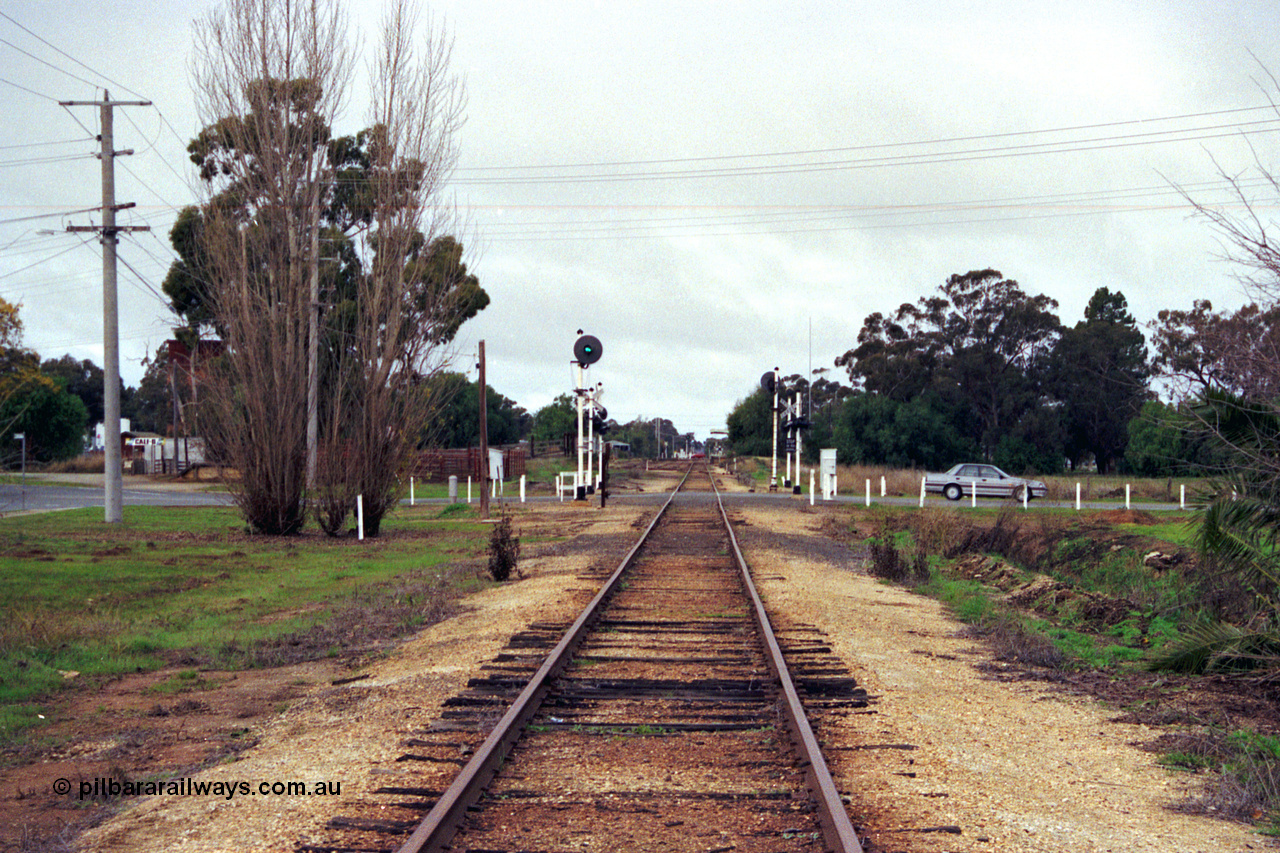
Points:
x=113, y=502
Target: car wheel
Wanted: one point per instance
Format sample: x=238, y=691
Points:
x=1019, y=492
x=952, y=492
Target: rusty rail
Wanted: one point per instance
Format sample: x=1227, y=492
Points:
x=837, y=829
x=436, y=830
x=442, y=821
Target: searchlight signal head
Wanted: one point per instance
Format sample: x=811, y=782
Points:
x=587, y=349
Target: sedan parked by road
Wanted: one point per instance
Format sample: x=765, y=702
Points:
x=987, y=481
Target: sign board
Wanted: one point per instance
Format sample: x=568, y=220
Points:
x=146, y=442
x=496, y=471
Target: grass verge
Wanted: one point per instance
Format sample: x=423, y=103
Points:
x=1075, y=594
x=84, y=601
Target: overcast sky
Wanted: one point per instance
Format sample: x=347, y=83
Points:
x=712, y=189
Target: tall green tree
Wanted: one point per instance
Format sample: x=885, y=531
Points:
x=552, y=421
x=876, y=429
x=32, y=402
x=52, y=418
x=82, y=378
x=458, y=422
x=980, y=344
x=750, y=425
x=1099, y=372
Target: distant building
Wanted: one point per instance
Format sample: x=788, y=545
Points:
x=99, y=434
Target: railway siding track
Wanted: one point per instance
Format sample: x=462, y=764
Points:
x=662, y=719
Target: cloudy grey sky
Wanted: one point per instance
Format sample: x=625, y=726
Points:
x=701, y=184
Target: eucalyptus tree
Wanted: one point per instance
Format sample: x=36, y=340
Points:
x=980, y=345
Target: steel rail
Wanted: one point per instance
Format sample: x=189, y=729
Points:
x=837, y=829
x=441, y=823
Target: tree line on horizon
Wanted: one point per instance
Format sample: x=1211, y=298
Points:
x=981, y=370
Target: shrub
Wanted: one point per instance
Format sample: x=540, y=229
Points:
x=504, y=551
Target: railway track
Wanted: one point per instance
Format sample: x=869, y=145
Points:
x=665, y=718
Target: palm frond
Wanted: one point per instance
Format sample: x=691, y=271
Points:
x=1221, y=647
x=1241, y=531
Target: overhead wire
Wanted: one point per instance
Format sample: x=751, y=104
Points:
x=36, y=161
x=63, y=53
x=766, y=216
x=43, y=144
x=879, y=145
x=51, y=215
x=929, y=159
x=46, y=63
x=28, y=91
x=38, y=263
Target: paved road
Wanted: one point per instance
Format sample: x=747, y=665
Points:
x=41, y=497
x=45, y=497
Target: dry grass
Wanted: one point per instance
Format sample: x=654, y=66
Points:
x=935, y=529
x=23, y=627
x=904, y=482
x=85, y=463
x=899, y=482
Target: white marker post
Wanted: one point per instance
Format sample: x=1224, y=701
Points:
x=811, y=485
x=922, y=492
x=410, y=491
x=1182, y=496
x=1126, y=496
x=868, y=491
x=1077, y=497
x=973, y=494
x=360, y=517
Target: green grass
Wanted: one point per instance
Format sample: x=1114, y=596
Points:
x=184, y=682
x=1162, y=604
x=970, y=601
x=106, y=600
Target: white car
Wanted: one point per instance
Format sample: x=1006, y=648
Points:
x=987, y=481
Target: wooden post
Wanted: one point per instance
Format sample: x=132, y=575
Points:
x=484, y=441
x=604, y=473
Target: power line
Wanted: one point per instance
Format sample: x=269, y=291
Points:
x=36, y=161
x=47, y=63
x=929, y=159
x=63, y=53
x=28, y=91
x=873, y=146
x=38, y=263
x=78, y=140
x=49, y=215
x=772, y=218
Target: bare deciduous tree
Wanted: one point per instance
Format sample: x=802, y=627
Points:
x=270, y=77
x=406, y=307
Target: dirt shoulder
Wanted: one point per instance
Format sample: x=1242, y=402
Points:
x=1010, y=765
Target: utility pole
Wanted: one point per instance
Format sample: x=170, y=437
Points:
x=484, y=440
x=113, y=501
x=773, y=474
